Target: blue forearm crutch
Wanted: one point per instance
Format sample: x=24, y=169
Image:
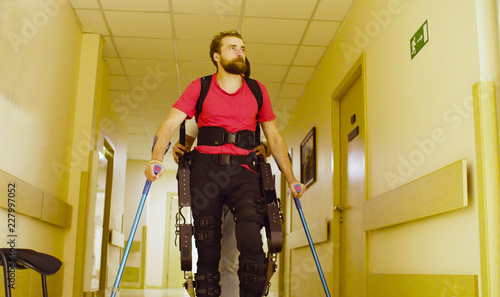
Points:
x=313, y=250
x=145, y=191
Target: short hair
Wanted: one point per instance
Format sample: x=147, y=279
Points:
x=215, y=46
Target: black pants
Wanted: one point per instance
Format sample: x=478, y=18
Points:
x=213, y=185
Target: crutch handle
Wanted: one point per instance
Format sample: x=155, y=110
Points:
x=297, y=188
x=147, y=185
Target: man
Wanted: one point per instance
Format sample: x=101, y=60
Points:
x=230, y=105
x=228, y=265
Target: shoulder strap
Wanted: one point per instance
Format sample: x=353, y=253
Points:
x=205, y=86
x=256, y=91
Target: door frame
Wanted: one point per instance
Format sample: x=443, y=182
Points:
x=357, y=70
x=109, y=150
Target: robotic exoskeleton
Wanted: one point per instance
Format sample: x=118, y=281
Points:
x=253, y=272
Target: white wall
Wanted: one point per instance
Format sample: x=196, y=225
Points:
x=154, y=215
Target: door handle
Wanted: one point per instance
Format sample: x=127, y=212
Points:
x=338, y=208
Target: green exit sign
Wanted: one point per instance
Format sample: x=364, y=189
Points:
x=419, y=39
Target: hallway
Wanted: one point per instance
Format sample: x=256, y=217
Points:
x=84, y=85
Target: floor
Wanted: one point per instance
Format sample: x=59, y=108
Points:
x=160, y=293
x=152, y=293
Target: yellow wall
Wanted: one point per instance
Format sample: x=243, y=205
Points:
x=38, y=75
x=112, y=128
x=39, y=61
x=408, y=102
x=40, y=51
x=487, y=145
x=488, y=36
x=116, y=134
x=94, y=117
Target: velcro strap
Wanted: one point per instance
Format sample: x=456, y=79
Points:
x=224, y=159
x=211, y=291
x=210, y=277
x=217, y=136
x=253, y=267
x=250, y=265
x=206, y=235
x=252, y=280
x=205, y=221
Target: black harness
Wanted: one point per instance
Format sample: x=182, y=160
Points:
x=216, y=136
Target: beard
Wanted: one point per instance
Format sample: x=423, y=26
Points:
x=235, y=66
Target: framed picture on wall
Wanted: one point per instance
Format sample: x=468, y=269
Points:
x=308, y=158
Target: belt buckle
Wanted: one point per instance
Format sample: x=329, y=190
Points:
x=232, y=138
x=224, y=159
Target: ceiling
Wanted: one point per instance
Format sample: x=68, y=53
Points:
x=155, y=48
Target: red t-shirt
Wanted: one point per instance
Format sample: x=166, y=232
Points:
x=233, y=112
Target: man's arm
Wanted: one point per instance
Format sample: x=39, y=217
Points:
x=164, y=133
x=280, y=152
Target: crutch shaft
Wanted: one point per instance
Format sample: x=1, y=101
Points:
x=145, y=192
x=311, y=244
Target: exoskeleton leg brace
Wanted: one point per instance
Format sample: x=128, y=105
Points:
x=184, y=229
x=273, y=218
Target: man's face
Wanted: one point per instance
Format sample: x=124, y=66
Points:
x=232, y=56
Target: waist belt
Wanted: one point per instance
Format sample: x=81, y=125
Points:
x=216, y=136
x=223, y=159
